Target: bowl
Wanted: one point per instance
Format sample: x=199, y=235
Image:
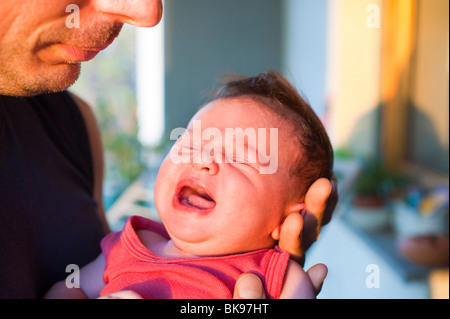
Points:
x=425, y=250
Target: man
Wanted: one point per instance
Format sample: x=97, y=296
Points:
x=51, y=160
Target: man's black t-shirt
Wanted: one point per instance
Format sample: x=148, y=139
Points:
x=48, y=216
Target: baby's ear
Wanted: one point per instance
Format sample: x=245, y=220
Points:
x=294, y=208
x=276, y=233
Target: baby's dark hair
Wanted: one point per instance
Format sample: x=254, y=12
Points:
x=274, y=91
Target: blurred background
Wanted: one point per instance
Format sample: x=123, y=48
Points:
x=375, y=71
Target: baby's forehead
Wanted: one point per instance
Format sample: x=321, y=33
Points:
x=262, y=111
x=246, y=112
x=255, y=122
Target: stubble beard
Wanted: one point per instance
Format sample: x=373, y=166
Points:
x=21, y=74
x=42, y=83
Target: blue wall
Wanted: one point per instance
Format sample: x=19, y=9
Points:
x=206, y=38
x=305, y=45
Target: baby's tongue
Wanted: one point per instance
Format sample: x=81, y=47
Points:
x=196, y=198
x=200, y=202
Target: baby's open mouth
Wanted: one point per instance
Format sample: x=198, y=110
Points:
x=196, y=198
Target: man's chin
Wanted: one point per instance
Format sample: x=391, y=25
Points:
x=59, y=79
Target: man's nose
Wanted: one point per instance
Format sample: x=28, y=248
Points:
x=140, y=13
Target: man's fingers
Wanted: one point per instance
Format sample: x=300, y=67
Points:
x=331, y=203
x=249, y=286
x=316, y=204
x=290, y=239
x=317, y=274
x=317, y=196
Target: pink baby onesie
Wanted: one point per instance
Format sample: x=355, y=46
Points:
x=131, y=266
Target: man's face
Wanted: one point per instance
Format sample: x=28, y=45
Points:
x=39, y=53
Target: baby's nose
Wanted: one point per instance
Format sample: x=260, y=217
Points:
x=205, y=163
x=141, y=13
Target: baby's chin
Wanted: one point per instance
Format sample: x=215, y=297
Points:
x=201, y=249
x=217, y=249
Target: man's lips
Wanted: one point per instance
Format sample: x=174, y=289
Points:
x=65, y=53
x=194, y=198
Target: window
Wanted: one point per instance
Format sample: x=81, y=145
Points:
x=415, y=84
x=125, y=87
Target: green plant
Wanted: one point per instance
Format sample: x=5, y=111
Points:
x=372, y=179
x=376, y=183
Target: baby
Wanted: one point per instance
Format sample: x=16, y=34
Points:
x=243, y=164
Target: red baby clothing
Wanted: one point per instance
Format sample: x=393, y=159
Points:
x=131, y=266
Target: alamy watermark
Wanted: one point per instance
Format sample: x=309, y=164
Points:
x=73, y=279
x=373, y=19
x=258, y=147
x=73, y=19
x=373, y=279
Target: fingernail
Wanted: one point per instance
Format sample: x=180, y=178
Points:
x=250, y=287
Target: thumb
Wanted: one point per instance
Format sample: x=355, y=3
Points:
x=317, y=274
x=249, y=286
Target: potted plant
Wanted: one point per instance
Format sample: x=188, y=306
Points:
x=370, y=193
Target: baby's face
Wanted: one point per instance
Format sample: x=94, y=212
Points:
x=225, y=187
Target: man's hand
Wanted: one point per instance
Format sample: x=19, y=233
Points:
x=249, y=286
x=300, y=230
